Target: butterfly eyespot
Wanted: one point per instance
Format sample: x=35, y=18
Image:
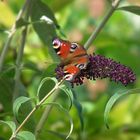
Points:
x=81, y=66
x=73, y=47
x=59, y=53
x=56, y=43
x=69, y=77
x=66, y=72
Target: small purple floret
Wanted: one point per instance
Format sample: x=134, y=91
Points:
x=101, y=67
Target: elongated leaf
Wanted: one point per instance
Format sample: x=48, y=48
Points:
x=69, y=94
x=26, y=135
x=43, y=81
x=11, y=124
x=132, y=9
x=17, y=104
x=66, y=112
x=79, y=109
x=45, y=31
x=6, y=91
x=112, y=101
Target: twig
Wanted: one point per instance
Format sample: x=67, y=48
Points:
x=35, y=108
x=10, y=37
x=20, y=53
x=93, y=36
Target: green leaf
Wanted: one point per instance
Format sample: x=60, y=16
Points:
x=26, y=135
x=69, y=94
x=66, y=112
x=79, y=109
x=43, y=81
x=17, y=104
x=6, y=91
x=132, y=9
x=112, y=101
x=45, y=31
x=11, y=124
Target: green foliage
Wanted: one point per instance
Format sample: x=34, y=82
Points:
x=82, y=105
x=45, y=31
x=11, y=124
x=45, y=84
x=25, y=135
x=68, y=93
x=17, y=104
x=132, y=9
x=6, y=90
x=67, y=114
x=115, y=98
x=79, y=110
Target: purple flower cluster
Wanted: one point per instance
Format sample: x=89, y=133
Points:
x=101, y=67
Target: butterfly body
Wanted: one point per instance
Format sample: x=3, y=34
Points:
x=73, y=57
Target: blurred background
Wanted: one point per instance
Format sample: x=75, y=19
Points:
x=119, y=39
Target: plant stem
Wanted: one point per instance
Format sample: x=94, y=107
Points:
x=35, y=108
x=10, y=37
x=19, y=63
x=20, y=52
x=93, y=36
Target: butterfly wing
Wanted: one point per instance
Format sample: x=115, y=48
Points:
x=79, y=56
x=73, y=57
x=62, y=48
x=70, y=72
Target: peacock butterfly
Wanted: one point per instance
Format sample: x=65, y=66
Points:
x=73, y=57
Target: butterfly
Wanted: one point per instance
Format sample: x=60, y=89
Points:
x=73, y=57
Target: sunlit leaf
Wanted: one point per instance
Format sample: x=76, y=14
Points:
x=17, y=104
x=69, y=94
x=26, y=135
x=11, y=124
x=132, y=9
x=113, y=99
x=67, y=114
x=43, y=82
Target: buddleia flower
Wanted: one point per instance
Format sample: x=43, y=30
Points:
x=101, y=67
